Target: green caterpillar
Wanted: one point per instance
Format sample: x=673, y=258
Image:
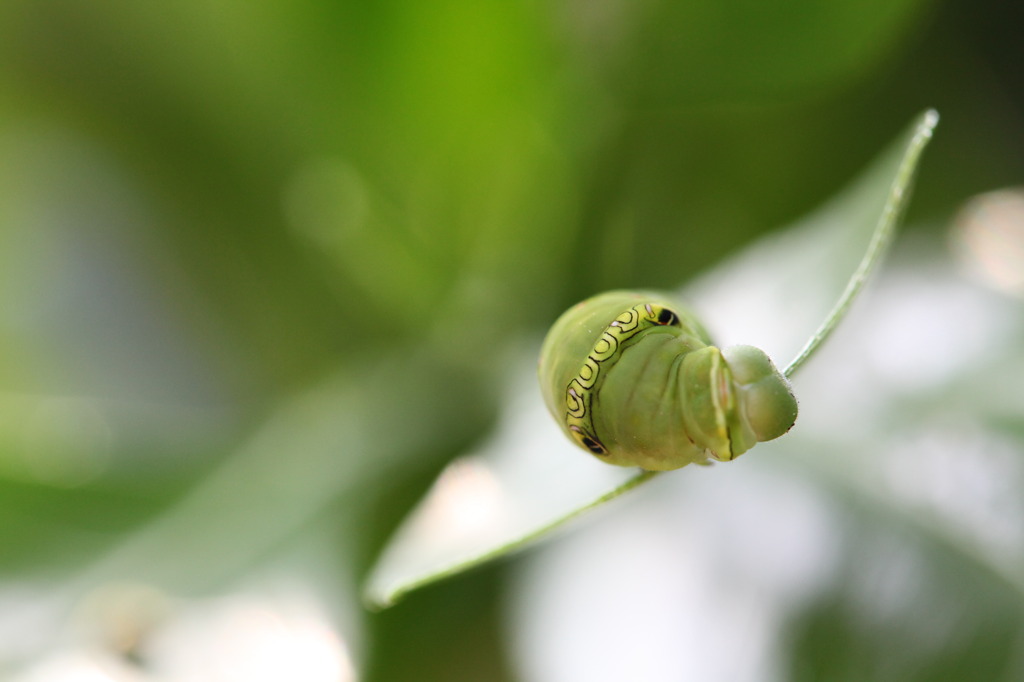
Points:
x=633, y=379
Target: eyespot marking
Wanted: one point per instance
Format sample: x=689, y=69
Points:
x=589, y=442
x=668, y=318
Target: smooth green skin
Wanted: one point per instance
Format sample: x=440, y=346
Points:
x=667, y=398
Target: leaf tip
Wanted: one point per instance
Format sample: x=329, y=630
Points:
x=377, y=600
x=926, y=126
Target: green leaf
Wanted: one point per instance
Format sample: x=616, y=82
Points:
x=527, y=480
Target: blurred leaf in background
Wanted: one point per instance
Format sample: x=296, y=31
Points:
x=262, y=267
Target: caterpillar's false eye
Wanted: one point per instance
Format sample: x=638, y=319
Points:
x=668, y=318
x=589, y=442
x=632, y=377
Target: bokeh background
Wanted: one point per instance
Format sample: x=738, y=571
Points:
x=263, y=266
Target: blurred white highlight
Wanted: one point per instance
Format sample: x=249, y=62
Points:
x=988, y=237
x=135, y=633
x=80, y=666
x=694, y=570
x=251, y=638
x=466, y=500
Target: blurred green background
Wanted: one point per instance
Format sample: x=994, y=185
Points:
x=262, y=265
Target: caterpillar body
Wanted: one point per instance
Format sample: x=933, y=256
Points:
x=633, y=378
